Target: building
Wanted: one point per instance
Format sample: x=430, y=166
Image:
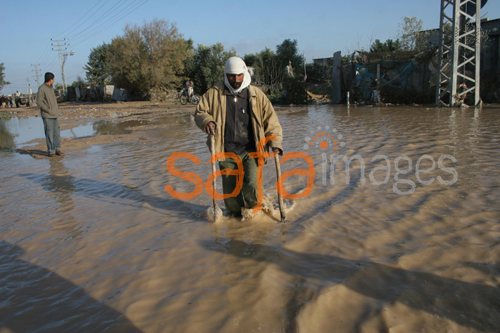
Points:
x=490, y=54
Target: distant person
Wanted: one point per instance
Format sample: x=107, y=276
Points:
x=289, y=69
x=190, y=88
x=47, y=102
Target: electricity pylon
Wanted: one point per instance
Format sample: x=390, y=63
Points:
x=459, y=59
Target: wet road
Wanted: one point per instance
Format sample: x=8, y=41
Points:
x=406, y=239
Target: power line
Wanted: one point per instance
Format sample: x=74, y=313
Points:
x=112, y=23
x=81, y=19
x=22, y=73
x=69, y=34
x=62, y=57
x=37, y=78
x=45, y=52
x=111, y=19
x=76, y=75
x=101, y=18
x=29, y=86
x=91, y=25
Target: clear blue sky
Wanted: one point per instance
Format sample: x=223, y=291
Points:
x=320, y=27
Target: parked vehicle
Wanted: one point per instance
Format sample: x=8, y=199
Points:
x=22, y=100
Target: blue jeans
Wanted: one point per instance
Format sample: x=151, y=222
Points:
x=52, y=134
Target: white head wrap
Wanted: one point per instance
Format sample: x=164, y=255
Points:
x=236, y=65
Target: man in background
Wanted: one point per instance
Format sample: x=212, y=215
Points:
x=46, y=100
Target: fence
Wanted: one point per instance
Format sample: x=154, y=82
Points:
x=404, y=77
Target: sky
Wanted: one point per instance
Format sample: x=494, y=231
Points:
x=320, y=27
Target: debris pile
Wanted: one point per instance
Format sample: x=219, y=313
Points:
x=316, y=99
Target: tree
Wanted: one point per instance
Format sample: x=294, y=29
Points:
x=2, y=77
x=269, y=73
x=250, y=59
x=288, y=51
x=207, y=66
x=388, y=46
x=408, y=33
x=320, y=73
x=148, y=57
x=6, y=137
x=189, y=65
x=270, y=67
x=98, y=68
x=79, y=82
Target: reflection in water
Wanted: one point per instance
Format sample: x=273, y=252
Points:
x=61, y=186
x=105, y=127
x=23, y=130
x=6, y=138
x=35, y=299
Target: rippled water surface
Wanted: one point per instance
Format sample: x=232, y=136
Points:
x=93, y=242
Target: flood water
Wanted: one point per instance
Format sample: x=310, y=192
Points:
x=92, y=242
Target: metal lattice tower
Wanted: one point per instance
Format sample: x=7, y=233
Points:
x=459, y=52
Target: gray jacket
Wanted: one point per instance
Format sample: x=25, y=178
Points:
x=46, y=100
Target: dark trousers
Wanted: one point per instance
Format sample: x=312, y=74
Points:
x=52, y=134
x=248, y=193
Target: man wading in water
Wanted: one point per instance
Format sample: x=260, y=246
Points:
x=46, y=100
x=239, y=116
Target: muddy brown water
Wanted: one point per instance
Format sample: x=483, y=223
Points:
x=92, y=242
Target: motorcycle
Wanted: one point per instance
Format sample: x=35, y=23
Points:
x=184, y=97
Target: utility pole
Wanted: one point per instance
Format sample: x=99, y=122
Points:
x=65, y=56
x=61, y=47
x=29, y=92
x=37, y=78
x=304, y=58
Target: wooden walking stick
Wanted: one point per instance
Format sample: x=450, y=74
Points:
x=212, y=151
x=280, y=198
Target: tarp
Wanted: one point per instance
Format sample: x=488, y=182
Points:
x=105, y=92
x=71, y=95
x=119, y=95
x=392, y=74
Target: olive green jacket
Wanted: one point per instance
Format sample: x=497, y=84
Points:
x=46, y=100
x=212, y=107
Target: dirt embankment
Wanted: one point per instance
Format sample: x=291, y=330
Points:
x=104, y=110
